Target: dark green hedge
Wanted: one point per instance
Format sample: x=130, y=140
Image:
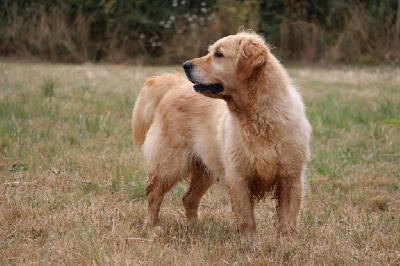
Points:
x=172, y=31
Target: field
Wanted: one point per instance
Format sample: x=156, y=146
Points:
x=72, y=185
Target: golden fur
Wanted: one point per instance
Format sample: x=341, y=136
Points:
x=253, y=137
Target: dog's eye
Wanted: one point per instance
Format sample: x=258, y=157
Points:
x=218, y=54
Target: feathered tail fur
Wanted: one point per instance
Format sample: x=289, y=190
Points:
x=146, y=105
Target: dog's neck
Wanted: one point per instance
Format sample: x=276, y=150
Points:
x=259, y=106
x=262, y=93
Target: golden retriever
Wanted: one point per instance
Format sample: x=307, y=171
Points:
x=236, y=119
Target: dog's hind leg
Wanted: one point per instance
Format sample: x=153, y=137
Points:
x=200, y=181
x=156, y=190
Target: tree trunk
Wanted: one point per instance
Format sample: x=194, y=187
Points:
x=397, y=29
x=313, y=48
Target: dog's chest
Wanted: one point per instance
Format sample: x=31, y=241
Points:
x=257, y=159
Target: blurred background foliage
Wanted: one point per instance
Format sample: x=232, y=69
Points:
x=172, y=31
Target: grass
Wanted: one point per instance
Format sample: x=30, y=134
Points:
x=72, y=184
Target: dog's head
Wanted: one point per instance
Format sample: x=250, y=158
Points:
x=231, y=61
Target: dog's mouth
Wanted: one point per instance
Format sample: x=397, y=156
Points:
x=207, y=89
x=215, y=88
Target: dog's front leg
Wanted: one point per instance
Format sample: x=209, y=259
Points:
x=242, y=204
x=289, y=195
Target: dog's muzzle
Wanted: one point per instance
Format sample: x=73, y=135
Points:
x=214, y=88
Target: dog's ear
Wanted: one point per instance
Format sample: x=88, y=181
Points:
x=252, y=54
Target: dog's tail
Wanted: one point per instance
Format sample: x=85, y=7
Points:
x=145, y=108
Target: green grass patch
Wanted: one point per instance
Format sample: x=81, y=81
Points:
x=74, y=186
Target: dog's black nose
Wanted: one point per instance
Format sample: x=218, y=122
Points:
x=187, y=65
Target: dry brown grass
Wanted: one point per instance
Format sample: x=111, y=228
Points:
x=72, y=184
